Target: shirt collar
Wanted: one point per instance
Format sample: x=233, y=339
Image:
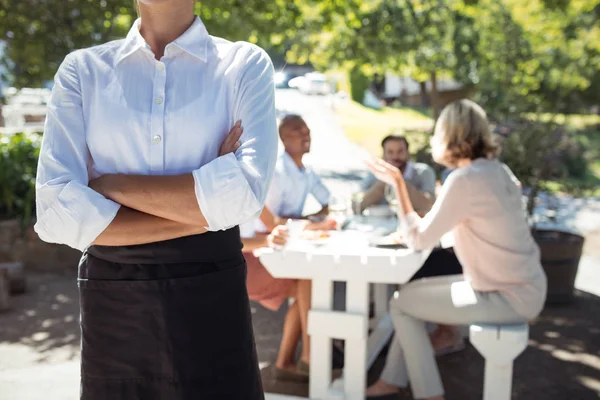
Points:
x=290, y=164
x=194, y=41
x=409, y=171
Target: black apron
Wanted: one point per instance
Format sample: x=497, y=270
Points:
x=168, y=321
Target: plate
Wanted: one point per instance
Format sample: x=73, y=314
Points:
x=388, y=242
x=317, y=238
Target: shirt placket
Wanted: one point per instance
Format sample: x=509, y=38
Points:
x=157, y=125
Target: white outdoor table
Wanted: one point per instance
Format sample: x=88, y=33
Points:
x=346, y=258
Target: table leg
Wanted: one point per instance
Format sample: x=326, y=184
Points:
x=320, y=343
x=355, y=360
x=382, y=328
x=382, y=299
x=378, y=338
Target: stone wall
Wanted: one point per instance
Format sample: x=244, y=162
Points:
x=26, y=246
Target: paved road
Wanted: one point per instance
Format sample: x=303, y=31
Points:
x=331, y=151
x=332, y=155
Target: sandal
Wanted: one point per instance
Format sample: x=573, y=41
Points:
x=299, y=376
x=304, y=368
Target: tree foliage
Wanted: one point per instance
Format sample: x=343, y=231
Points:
x=531, y=55
x=38, y=34
x=537, y=54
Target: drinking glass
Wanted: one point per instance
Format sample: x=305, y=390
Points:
x=356, y=203
x=295, y=228
x=390, y=197
x=337, y=204
x=337, y=210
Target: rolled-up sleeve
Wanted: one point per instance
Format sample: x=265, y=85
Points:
x=68, y=211
x=232, y=189
x=451, y=208
x=320, y=191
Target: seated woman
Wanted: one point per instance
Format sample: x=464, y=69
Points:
x=270, y=292
x=503, y=281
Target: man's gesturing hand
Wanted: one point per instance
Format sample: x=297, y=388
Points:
x=232, y=141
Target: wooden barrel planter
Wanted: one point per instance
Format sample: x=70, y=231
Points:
x=560, y=252
x=16, y=276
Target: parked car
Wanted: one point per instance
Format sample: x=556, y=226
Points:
x=311, y=83
x=281, y=79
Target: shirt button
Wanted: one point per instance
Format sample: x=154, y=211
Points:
x=156, y=139
x=160, y=66
x=158, y=100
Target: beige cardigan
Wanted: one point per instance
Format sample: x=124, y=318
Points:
x=482, y=205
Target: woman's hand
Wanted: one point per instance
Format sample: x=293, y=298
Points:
x=232, y=141
x=384, y=171
x=278, y=236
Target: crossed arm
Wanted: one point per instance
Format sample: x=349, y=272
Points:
x=155, y=208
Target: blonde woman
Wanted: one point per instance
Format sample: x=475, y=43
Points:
x=503, y=280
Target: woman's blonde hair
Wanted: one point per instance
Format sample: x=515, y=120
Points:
x=462, y=131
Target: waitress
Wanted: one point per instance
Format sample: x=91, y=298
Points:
x=156, y=148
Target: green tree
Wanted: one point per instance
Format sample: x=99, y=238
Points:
x=531, y=56
x=423, y=39
x=39, y=34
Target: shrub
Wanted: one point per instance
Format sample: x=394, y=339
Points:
x=542, y=152
x=18, y=164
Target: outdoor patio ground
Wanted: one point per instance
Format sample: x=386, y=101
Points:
x=39, y=343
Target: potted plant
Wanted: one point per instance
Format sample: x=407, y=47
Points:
x=541, y=152
x=18, y=163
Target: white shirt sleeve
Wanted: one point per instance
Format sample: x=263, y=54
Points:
x=68, y=211
x=232, y=189
x=320, y=191
x=450, y=208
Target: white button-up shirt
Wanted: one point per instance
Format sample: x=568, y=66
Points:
x=116, y=109
x=288, y=192
x=290, y=187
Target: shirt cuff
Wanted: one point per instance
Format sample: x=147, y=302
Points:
x=224, y=195
x=76, y=218
x=409, y=223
